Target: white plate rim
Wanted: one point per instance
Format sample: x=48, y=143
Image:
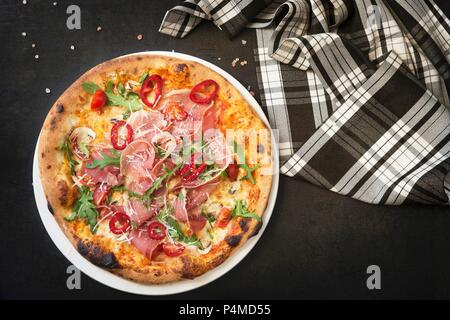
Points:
x=114, y=281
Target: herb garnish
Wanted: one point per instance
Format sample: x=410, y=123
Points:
x=130, y=101
x=160, y=151
x=242, y=163
x=84, y=208
x=68, y=153
x=146, y=198
x=126, y=99
x=240, y=210
x=106, y=160
x=90, y=87
x=174, y=229
x=143, y=77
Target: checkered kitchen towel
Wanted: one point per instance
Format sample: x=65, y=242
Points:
x=357, y=89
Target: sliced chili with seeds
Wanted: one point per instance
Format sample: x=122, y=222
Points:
x=204, y=92
x=156, y=230
x=195, y=173
x=119, y=223
x=115, y=135
x=151, y=86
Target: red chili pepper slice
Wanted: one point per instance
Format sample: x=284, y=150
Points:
x=233, y=171
x=173, y=250
x=98, y=100
x=123, y=220
x=194, y=175
x=156, y=230
x=204, y=92
x=115, y=135
x=153, y=84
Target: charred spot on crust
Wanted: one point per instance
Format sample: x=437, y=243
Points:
x=53, y=123
x=257, y=228
x=60, y=108
x=138, y=58
x=233, y=241
x=49, y=167
x=179, y=68
x=50, y=208
x=63, y=192
x=187, y=271
x=244, y=225
x=97, y=255
x=157, y=273
x=42, y=155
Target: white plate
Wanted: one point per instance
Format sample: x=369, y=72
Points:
x=116, y=282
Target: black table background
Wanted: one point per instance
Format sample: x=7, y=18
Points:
x=317, y=244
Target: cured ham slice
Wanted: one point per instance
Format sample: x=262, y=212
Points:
x=197, y=222
x=168, y=144
x=146, y=124
x=109, y=175
x=200, y=117
x=187, y=206
x=140, y=213
x=141, y=240
x=110, y=209
x=136, y=164
x=179, y=207
x=196, y=196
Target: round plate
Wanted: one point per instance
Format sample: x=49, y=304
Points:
x=117, y=282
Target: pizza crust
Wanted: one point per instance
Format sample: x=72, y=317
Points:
x=60, y=193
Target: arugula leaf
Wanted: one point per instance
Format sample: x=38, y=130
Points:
x=106, y=160
x=65, y=147
x=209, y=217
x=146, y=198
x=143, y=77
x=90, y=87
x=129, y=101
x=241, y=210
x=121, y=89
x=160, y=151
x=72, y=216
x=243, y=164
x=174, y=229
x=126, y=114
x=84, y=208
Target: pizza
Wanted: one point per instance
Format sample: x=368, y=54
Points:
x=155, y=168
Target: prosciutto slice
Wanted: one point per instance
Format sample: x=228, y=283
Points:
x=197, y=196
x=187, y=206
x=138, y=212
x=109, y=175
x=141, y=240
x=136, y=164
x=168, y=143
x=179, y=207
x=146, y=124
x=200, y=117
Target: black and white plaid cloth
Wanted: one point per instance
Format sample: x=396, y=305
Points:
x=359, y=90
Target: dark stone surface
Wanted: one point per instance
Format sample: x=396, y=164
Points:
x=317, y=244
